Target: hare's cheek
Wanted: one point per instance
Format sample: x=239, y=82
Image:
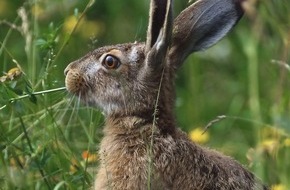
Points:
x=76, y=83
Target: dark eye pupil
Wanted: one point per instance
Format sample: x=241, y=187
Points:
x=111, y=62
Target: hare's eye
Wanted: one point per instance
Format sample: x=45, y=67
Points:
x=111, y=62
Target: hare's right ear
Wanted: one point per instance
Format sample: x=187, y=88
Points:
x=201, y=25
x=158, y=34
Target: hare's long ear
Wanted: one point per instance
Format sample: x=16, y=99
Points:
x=201, y=25
x=158, y=33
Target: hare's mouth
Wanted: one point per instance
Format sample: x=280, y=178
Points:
x=76, y=83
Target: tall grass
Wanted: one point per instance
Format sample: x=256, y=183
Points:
x=49, y=140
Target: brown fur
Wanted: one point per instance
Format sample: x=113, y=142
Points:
x=142, y=147
x=177, y=162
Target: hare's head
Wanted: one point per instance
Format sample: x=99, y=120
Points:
x=129, y=78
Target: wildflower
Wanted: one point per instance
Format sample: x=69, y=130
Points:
x=86, y=28
x=198, y=135
x=37, y=10
x=89, y=157
x=272, y=132
x=287, y=142
x=73, y=166
x=70, y=23
x=12, y=74
x=3, y=78
x=4, y=7
x=270, y=145
x=278, y=187
x=17, y=161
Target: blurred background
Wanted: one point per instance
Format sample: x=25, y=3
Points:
x=239, y=90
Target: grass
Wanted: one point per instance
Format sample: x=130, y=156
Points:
x=238, y=90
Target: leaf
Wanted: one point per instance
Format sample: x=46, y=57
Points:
x=40, y=42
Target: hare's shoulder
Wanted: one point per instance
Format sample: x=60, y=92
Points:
x=182, y=160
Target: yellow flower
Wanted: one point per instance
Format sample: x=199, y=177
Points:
x=85, y=27
x=4, y=7
x=199, y=136
x=73, y=166
x=270, y=145
x=278, y=187
x=272, y=132
x=287, y=142
x=12, y=74
x=89, y=157
x=91, y=28
x=69, y=24
x=37, y=10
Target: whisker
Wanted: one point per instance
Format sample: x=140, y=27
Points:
x=68, y=101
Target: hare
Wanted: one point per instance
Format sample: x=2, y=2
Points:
x=133, y=85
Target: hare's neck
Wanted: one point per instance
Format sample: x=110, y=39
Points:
x=126, y=125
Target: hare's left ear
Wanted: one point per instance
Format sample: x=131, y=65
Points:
x=158, y=33
x=201, y=25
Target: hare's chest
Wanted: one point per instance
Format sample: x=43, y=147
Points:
x=125, y=161
x=119, y=152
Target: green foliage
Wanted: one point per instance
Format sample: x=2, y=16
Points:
x=48, y=139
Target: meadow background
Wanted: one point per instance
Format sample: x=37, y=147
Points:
x=238, y=89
